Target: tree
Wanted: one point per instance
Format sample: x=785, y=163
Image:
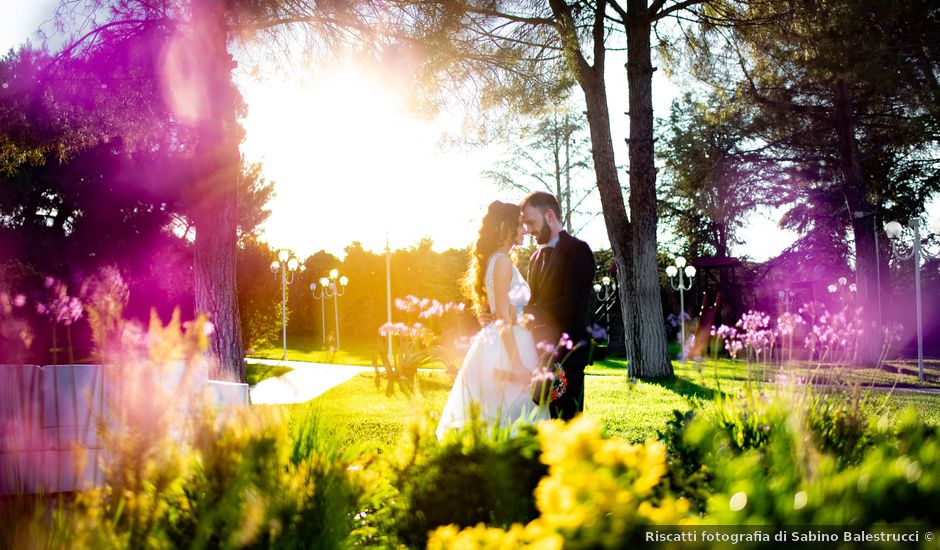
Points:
x=713, y=182
x=107, y=173
x=829, y=84
x=195, y=74
x=548, y=155
x=520, y=56
x=259, y=296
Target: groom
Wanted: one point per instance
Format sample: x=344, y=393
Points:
x=560, y=276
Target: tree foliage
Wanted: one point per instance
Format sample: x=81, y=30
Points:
x=713, y=182
x=552, y=154
x=106, y=177
x=830, y=86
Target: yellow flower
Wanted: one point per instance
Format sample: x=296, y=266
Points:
x=481, y=537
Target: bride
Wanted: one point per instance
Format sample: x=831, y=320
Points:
x=497, y=369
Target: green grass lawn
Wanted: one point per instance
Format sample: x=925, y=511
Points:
x=308, y=349
x=901, y=373
x=360, y=416
x=257, y=373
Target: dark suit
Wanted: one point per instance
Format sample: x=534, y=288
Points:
x=561, y=285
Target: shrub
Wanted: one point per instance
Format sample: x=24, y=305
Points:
x=791, y=458
x=599, y=493
x=842, y=424
x=474, y=475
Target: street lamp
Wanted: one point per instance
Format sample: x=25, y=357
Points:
x=330, y=289
x=286, y=263
x=322, y=298
x=893, y=230
x=786, y=298
x=606, y=293
x=679, y=268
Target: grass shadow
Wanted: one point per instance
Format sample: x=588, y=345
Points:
x=434, y=382
x=685, y=387
x=257, y=372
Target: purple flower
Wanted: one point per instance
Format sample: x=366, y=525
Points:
x=597, y=332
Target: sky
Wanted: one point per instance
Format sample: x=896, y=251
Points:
x=351, y=162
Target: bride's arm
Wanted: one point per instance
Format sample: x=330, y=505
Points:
x=502, y=280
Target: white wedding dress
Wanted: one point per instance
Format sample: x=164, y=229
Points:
x=499, y=400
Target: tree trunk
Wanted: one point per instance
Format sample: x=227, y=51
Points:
x=615, y=213
x=650, y=332
x=863, y=228
x=644, y=331
x=214, y=208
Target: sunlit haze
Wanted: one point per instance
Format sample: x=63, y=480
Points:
x=351, y=162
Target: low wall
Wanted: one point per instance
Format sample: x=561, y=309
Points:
x=48, y=414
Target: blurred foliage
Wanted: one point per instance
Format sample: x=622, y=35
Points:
x=788, y=456
x=599, y=493
x=95, y=170
x=474, y=475
x=177, y=472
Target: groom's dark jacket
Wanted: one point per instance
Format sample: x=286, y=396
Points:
x=561, y=285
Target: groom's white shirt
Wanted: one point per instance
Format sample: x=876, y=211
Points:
x=552, y=243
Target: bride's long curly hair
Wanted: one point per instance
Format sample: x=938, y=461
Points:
x=500, y=223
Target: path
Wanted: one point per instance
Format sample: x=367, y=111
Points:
x=307, y=381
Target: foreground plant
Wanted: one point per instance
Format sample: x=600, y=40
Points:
x=599, y=493
x=417, y=343
x=790, y=456
x=176, y=471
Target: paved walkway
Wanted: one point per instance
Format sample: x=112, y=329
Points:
x=307, y=381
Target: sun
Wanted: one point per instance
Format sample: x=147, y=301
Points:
x=351, y=162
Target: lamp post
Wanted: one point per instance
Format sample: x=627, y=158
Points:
x=388, y=296
x=322, y=298
x=606, y=293
x=786, y=298
x=893, y=230
x=286, y=263
x=679, y=268
x=330, y=289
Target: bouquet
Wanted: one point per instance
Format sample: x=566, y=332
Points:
x=548, y=383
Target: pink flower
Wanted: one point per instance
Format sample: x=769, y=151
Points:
x=545, y=347
x=435, y=310
x=524, y=319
